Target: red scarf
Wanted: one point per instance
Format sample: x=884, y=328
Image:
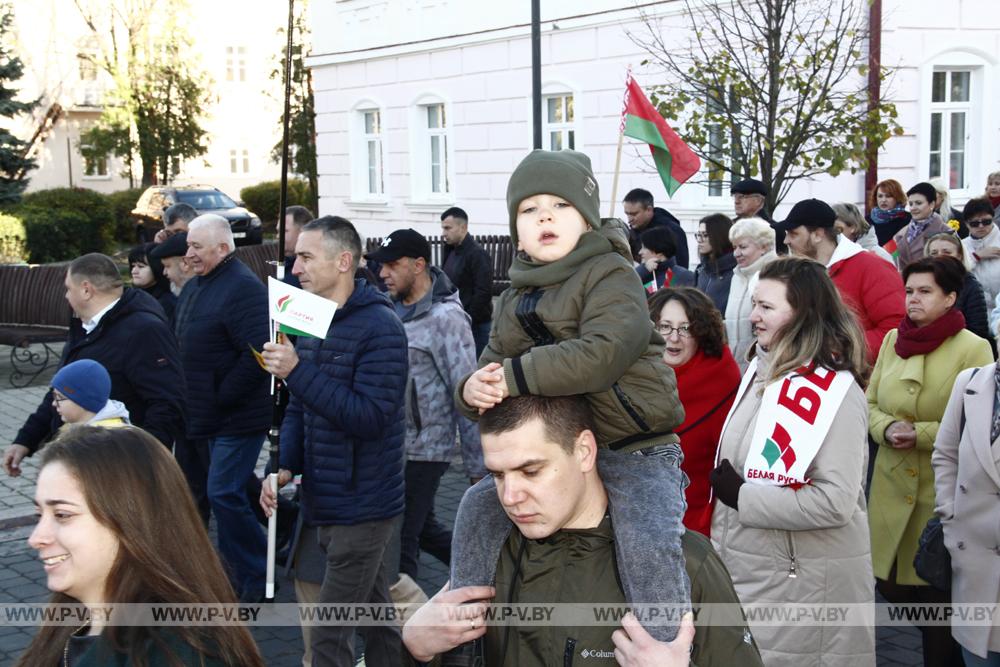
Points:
x=914, y=340
x=707, y=387
x=995, y=201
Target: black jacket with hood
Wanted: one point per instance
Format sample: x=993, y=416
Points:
x=134, y=343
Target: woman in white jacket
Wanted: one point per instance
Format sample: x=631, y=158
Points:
x=753, y=247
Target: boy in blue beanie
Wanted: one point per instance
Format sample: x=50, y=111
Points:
x=81, y=394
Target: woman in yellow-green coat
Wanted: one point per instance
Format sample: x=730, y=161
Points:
x=907, y=396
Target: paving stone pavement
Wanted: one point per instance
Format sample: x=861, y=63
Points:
x=23, y=580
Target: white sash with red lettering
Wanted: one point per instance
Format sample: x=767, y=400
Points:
x=796, y=413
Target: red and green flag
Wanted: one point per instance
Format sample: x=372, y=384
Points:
x=674, y=160
x=892, y=248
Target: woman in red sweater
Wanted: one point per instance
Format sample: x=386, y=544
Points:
x=707, y=380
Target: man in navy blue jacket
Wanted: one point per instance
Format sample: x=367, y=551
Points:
x=343, y=431
x=126, y=331
x=221, y=315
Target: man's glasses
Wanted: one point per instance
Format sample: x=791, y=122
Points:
x=58, y=398
x=982, y=222
x=666, y=330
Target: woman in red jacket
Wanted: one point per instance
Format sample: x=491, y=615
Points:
x=707, y=380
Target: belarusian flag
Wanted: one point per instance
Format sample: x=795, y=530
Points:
x=892, y=248
x=672, y=157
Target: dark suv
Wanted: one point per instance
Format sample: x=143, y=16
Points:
x=148, y=211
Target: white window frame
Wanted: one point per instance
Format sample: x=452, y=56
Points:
x=722, y=200
x=980, y=144
x=946, y=111
x=560, y=88
x=567, y=128
x=236, y=64
x=362, y=143
x=239, y=161
x=102, y=166
x=422, y=190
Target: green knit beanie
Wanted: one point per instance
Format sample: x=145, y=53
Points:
x=565, y=174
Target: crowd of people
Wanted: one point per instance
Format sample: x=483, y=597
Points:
x=776, y=424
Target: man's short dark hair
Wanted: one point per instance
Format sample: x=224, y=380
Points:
x=98, y=270
x=564, y=417
x=977, y=206
x=340, y=233
x=639, y=196
x=660, y=240
x=456, y=212
x=949, y=273
x=179, y=212
x=300, y=215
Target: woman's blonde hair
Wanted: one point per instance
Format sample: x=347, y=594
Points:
x=952, y=239
x=945, y=210
x=755, y=229
x=823, y=329
x=850, y=214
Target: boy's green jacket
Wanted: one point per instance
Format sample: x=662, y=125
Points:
x=590, y=333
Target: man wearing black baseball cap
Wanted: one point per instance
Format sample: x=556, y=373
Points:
x=870, y=286
x=441, y=353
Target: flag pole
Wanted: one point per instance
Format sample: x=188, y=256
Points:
x=278, y=386
x=618, y=153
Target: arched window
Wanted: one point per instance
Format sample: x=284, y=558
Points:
x=954, y=141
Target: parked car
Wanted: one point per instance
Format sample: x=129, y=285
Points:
x=148, y=211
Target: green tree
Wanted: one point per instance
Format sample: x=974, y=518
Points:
x=153, y=116
x=302, y=124
x=775, y=88
x=14, y=163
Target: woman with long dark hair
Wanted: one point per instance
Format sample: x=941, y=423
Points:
x=715, y=272
x=117, y=525
x=147, y=274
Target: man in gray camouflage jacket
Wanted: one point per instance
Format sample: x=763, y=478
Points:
x=442, y=352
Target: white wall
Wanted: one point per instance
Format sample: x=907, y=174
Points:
x=243, y=115
x=485, y=79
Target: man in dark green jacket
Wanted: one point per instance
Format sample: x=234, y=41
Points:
x=548, y=475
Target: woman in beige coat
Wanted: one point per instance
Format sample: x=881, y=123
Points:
x=967, y=483
x=803, y=539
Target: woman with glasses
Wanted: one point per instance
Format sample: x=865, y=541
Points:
x=790, y=521
x=983, y=245
x=971, y=300
x=707, y=377
x=715, y=272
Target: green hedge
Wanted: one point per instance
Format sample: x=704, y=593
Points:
x=122, y=203
x=64, y=223
x=263, y=199
x=13, y=240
